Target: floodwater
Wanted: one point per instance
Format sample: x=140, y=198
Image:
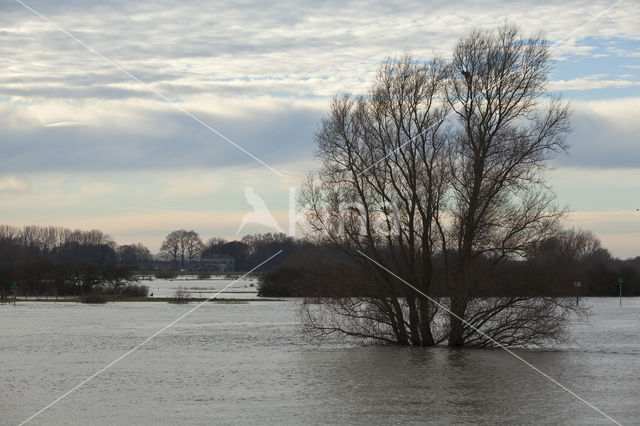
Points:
x=220, y=287
x=248, y=363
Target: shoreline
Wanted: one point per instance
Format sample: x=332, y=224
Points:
x=148, y=299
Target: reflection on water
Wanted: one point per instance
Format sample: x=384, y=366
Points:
x=248, y=363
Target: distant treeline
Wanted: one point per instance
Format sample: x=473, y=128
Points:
x=57, y=261
x=51, y=261
x=574, y=263
x=252, y=250
x=183, y=250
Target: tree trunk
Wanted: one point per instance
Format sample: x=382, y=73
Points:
x=414, y=321
x=456, y=331
x=425, y=323
x=402, y=337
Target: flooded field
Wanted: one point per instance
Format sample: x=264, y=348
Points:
x=248, y=363
x=238, y=288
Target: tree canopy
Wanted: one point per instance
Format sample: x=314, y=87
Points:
x=436, y=176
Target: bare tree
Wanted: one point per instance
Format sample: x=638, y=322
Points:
x=379, y=193
x=133, y=255
x=437, y=174
x=504, y=137
x=193, y=246
x=170, y=248
x=182, y=246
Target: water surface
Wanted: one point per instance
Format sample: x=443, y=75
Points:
x=220, y=287
x=248, y=363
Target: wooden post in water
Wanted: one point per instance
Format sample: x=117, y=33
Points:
x=620, y=281
x=14, y=287
x=577, y=285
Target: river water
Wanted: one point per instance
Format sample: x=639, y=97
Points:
x=220, y=287
x=248, y=363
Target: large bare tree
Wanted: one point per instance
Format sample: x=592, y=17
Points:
x=507, y=130
x=379, y=193
x=437, y=175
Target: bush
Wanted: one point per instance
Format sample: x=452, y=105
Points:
x=135, y=290
x=282, y=282
x=204, y=275
x=180, y=296
x=167, y=275
x=321, y=280
x=93, y=298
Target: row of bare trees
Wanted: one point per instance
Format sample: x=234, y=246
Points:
x=47, y=238
x=46, y=260
x=182, y=247
x=252, y=250
x=442, y=159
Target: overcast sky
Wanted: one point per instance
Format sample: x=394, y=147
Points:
x=83, y=144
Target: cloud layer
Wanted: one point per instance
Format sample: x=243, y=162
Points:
x=83, y=143
x=260, y=73
x=142, y=135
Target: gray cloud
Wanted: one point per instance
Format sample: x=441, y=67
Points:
x=200, y=52
x=188, y=44
x=169, y=140
x=605, y=135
